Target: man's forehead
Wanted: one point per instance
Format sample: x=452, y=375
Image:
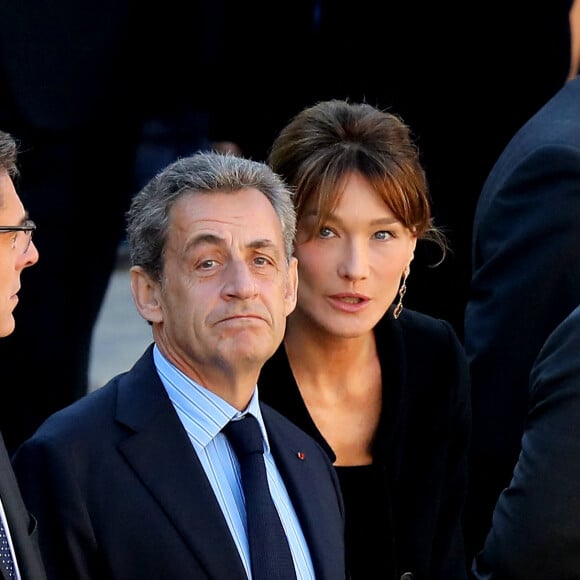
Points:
x=227, y=238
x=248, y=198
x=245, y=214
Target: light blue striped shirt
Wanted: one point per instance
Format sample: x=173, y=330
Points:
x=203, y=415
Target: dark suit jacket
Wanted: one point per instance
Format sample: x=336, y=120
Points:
x=526, y=279
x=22, y=525
x=421, y=442
x=120, y=493
x=536, y=529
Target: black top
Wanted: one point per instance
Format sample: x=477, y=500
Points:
x=417, y=483
x=365, y=514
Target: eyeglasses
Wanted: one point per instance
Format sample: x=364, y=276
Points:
x=21, y=241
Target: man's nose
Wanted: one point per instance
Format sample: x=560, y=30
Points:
x=240, y=281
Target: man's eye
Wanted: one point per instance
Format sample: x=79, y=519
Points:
x=207, y=264
x=261, y=261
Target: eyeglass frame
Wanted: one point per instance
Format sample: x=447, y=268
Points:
x=28, y=226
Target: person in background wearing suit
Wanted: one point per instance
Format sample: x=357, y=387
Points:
x=535, y=532
x=385, y=390
x=526, y=280
x=138, y=478
x=17, y=252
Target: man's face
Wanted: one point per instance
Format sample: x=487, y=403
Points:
x=227, y=287
x=14, y=253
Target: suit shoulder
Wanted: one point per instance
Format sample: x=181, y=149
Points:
x=83, y=416
x=434, y=357
x=557, y=362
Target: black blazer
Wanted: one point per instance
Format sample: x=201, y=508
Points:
x=120, y=493
x=536, y=529
x=526, y=280
x=21, y=523
x=421, y=442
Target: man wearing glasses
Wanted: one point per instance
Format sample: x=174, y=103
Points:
x=19, y=553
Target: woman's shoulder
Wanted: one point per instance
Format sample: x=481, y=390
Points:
x=415, y=334
x=414, y=323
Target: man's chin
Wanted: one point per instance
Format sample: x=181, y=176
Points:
x=245, y=354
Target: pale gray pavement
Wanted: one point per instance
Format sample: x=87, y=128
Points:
x=120, y=335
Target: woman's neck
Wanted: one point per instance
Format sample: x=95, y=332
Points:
x=341, y=385
x=320, y=358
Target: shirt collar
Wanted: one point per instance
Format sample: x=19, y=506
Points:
x=202, y=413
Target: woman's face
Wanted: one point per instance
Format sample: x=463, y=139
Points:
x=350, y=270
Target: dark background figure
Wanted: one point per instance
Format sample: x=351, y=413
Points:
x=526, y=280
x=463, y=78
x=536, y=532
x=78, y=83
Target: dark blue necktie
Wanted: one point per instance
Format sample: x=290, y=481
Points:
x=269, y=550
x=5, y=555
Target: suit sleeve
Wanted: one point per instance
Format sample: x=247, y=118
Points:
x=526, y=280
x=535, y=532
x=51, y=493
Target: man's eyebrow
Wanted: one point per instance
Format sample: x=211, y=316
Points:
x=206, y=239
x=262, y=243
x=215, y=240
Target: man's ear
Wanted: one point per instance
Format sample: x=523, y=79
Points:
x=145, y=293
x=291, y=285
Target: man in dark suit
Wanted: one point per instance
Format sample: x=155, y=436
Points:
x=138, y=479
x=17, y=252
x=536, y=533
x=526, y=280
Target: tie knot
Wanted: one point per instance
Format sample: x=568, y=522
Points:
x=245, y=435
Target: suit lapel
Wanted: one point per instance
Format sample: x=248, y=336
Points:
x=19, y=520
x=161, y=454
x=302, y=478
x=392, y=352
